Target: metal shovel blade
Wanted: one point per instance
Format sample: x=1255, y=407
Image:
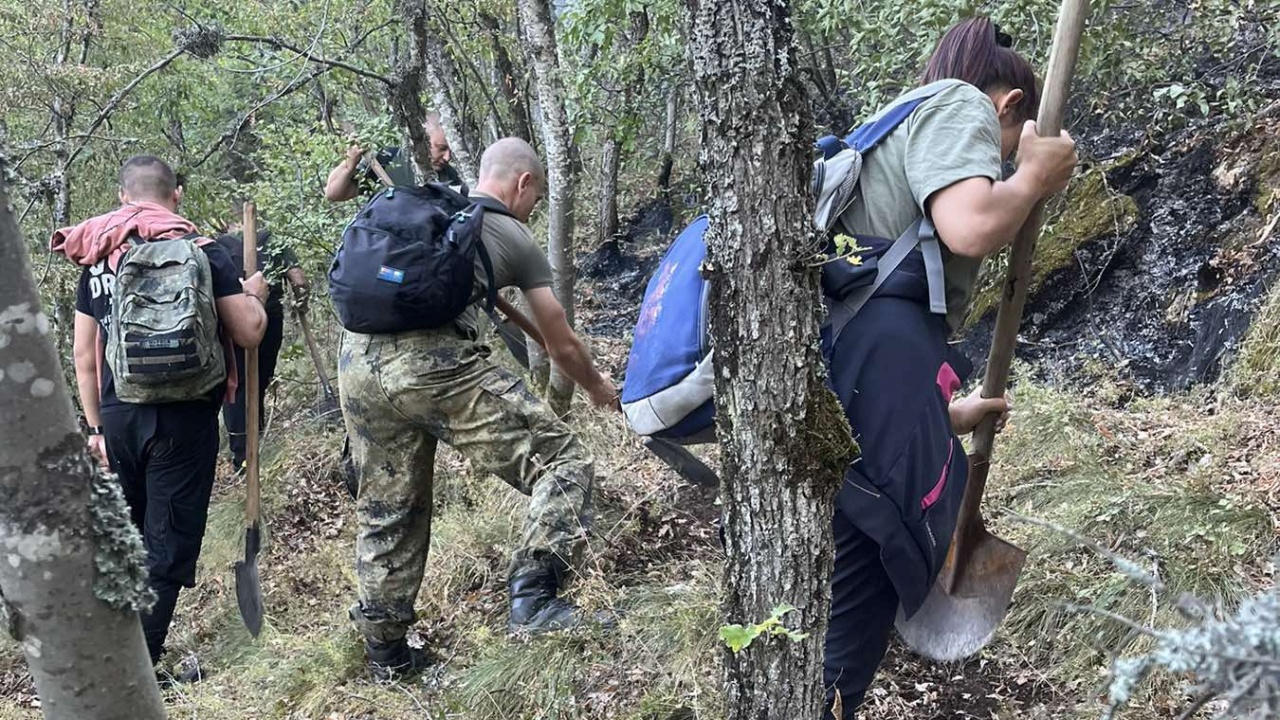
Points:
x=957, y=624
x=513, y=337
x=329, y=410
x=686, y=464
x=248, y=584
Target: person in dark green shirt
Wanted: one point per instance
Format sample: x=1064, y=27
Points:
x=353, y=177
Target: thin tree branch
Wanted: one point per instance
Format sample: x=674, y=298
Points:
x=1200, y=702
x=283, y=45
x=287, y=90
x=235, y=129
x=115, y=100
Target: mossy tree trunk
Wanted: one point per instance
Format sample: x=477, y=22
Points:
x=85, y=652
x=785, y=444
x=538, y=24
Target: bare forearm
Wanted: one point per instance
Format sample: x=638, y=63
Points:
x=976, y=217
x=574, y=360
x=1008, y=207
x=339, y=186
x=90, y=401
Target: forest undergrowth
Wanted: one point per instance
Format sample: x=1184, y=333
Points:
x=1187, y=486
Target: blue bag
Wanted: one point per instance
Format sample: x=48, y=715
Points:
x=669, y=377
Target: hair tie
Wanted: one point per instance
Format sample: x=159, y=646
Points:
x=1003, y=39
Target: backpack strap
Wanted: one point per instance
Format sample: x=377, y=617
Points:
x=475, y=213
x=491, y=293
x=829, y=146
x=869, y=135
x=490, y=205
x=933, y=268
x=921, y=232
x=840, y=313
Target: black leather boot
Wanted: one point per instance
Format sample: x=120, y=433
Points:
x=535, y=607
x=395, y=660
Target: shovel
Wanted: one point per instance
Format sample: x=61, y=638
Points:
x=248, y=584
x=329, y=404
x=972, y=593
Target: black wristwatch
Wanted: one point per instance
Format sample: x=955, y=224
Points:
x=94, y=430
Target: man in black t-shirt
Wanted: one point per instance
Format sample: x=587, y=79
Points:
x=278, y=264
x=165, y=453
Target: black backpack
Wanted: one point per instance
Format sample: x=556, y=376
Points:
x=407, y=260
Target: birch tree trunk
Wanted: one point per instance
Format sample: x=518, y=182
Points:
x=540, y=42
x=62, y=523
x=785, y=443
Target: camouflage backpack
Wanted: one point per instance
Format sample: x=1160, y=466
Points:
x=162, y=344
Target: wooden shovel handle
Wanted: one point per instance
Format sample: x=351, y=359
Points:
x=252, y=410
x=1057, y=87
x=520, y=319
x=315, y=352
x=371, y=158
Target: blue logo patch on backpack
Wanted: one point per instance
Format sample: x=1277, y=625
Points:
x=669, y=377
x=408, y=260
x=391, y=275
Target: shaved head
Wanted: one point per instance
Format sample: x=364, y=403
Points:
x=147, y=177
x=506, y=160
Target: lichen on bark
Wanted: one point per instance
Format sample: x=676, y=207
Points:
x=119, y=555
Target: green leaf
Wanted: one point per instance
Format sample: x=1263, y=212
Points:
x=738, y=637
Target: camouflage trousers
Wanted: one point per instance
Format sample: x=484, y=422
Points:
x=400, y=395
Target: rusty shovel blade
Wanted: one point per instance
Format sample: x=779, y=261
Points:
x=248, y=584
x=956, y=622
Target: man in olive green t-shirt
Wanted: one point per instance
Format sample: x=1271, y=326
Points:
x=404, y=392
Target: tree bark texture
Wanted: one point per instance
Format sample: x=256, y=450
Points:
x=72, y=577
x=442, y=73
x=669, y=140
x=785, y=443
x=508, y=82
x=557, y=137
x=610, y=160
x=404, y=95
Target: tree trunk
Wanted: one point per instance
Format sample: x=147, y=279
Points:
x=610, y=160
x=62, y=523
x=785, y=443
x=507, y=83
x=540, y=39
x=669, y=140
x=404, y=96
x=443, y=75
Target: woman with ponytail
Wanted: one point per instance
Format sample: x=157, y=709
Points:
x=891, y=365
